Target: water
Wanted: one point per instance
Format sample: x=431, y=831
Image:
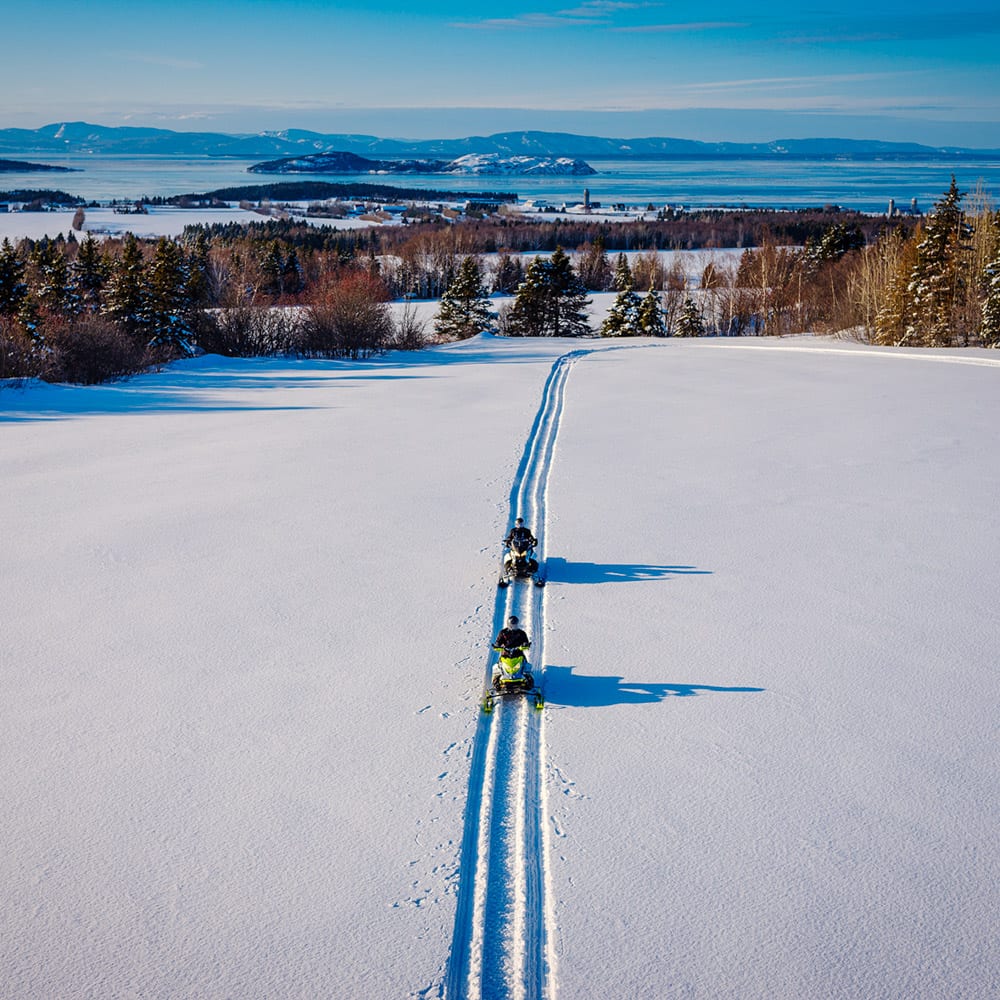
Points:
x=866, y=185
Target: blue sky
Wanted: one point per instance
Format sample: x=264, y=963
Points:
x=720, y=70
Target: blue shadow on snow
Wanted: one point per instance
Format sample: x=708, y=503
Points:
x=561, y=571
x=563, y=687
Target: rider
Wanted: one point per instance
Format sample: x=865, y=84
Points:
x=512, y=637
x=520, y=536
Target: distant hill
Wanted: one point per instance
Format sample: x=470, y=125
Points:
x=82, y=138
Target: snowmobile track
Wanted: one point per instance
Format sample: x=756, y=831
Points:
x=502, y=947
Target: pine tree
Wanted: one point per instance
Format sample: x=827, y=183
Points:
x=291, y=274
x=936, y=284
x=989, y=331
x=568, y=317
x=650, y=318
x=690, y=323
x=465, y=307
x=271, y=266
x=50, y=277
x=528, y=316
x=550, y=301
x=90, y=272
x=623, y=317
x=199, y=284
x=125, y=291
x=623, y=274
x=13, y=288
x=166, y=306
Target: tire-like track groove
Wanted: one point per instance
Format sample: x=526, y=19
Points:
x=502, y=942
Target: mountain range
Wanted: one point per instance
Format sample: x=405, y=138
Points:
x=82, y=138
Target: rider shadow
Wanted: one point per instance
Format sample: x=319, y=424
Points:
x=563, y=687
x=563, y=571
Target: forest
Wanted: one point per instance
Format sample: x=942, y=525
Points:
x=83, y=310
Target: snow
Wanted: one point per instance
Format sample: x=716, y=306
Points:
x=160, y=220
x=248, y=607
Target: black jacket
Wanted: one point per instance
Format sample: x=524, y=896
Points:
x=512, y=638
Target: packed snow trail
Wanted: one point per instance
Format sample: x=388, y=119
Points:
x=502, y=943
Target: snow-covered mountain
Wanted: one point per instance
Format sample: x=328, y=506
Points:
x=80, y=138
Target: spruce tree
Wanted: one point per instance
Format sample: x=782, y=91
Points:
x=50, y=274
x=465, y=307
x=650, y=319
x=528, y=316
x=199, y=284
x=690, y=323
x=166, y=306
x=623, y=317
x=989, y=331
x=623, y=274
x=291, y=274
x=13, y=288
x=568, y=317
x=936, y=284
x=90, y=272
x=125, y=292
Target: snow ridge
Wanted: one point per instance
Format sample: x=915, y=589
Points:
x=502, y=942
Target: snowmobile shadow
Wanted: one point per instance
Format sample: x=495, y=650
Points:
x=563, y=687
x=562, y=571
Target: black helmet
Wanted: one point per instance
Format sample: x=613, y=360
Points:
x=519, y=521
x=512, y=621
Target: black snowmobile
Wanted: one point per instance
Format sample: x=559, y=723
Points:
x=519, y=563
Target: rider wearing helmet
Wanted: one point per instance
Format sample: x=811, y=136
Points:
x=512, y=637
x=520, y=536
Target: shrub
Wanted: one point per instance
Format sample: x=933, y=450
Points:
x=88, y=350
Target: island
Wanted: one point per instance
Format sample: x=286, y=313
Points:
x=472, y=164
x=24, y=167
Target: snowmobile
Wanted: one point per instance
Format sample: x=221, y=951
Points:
x=520, y=564
x=511, y=676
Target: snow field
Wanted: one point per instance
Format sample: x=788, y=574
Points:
x=248, y=607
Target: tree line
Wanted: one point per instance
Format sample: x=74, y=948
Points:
x=87, y=311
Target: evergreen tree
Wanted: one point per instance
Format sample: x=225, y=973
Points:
x=50, y=274
x=690, y=323
x=291, y=274
x=936, y=283
x=13, y=288
x=271, y=266
x=623, y=317
x=623, y=274
x=465, y=307
x=125, y=291
x=989, y=331
x=166, y=306
x=568, y=317
x=89, y=273
x=550, y=301
x=529, y=313
x=199, y=285
x=650, y=319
